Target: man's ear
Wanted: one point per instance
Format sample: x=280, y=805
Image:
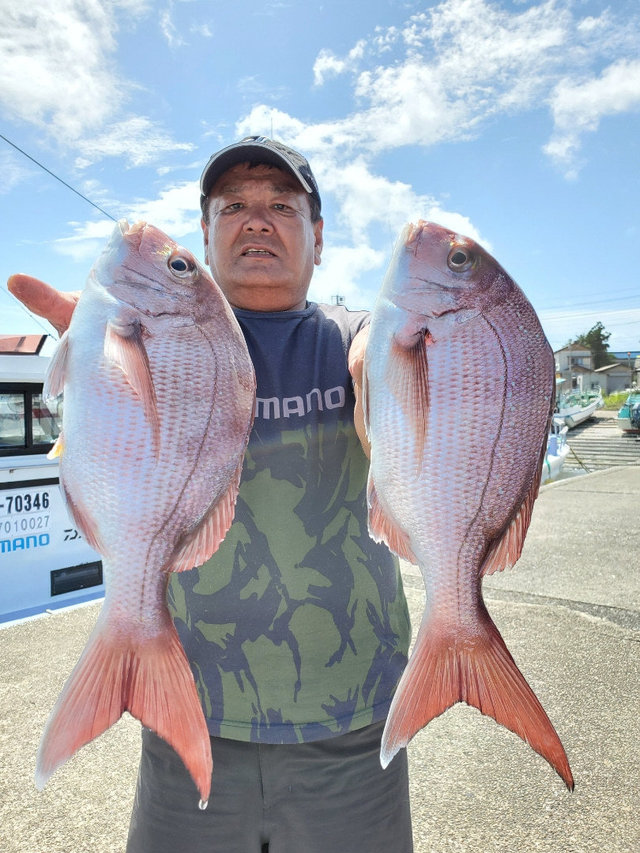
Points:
x=205, y=232
x=317, y=251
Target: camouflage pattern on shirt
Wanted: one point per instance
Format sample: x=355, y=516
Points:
x=297, y=628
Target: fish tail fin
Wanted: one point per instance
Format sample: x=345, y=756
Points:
x=479, y=670
x=150, y=678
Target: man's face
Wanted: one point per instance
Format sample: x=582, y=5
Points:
x=260, y=242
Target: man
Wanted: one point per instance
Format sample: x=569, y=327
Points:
x=297, y=628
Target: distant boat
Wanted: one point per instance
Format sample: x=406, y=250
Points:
x=576, y=407
x=557, y=450
x=628, y=418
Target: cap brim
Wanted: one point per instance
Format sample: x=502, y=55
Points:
x=242, y=153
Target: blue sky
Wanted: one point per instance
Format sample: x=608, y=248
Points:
x=514, y=122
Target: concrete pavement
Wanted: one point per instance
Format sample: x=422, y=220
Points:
x=570, y=614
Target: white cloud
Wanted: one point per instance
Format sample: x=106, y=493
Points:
x=175, y=211
x=168, y=28
x=13, y=172
x=136, y=139
x=58, y=73
x=86, y=241
x=55, y=65
x=339, y=274
x=466, y=61
x=328, y=65
x=578, y=106
x=441, y=77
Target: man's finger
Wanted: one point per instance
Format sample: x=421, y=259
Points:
x=44, y=300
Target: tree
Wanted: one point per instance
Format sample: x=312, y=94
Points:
x=596, y=340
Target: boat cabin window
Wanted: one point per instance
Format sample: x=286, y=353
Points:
x=26, y=424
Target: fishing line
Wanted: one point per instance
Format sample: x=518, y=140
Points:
x=53, y=175
x=26, y=311
x=69, y=187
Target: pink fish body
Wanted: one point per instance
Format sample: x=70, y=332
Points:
x=158, y=404
x=459, y=387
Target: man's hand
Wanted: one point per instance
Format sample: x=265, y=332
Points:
x=44, y=300
x=356, y=365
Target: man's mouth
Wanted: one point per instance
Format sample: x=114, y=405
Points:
x=257, y=253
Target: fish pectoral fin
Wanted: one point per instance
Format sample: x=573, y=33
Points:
x=205, y=538
x=124, y=347
x=384, y=529
x=150, y=677
x=54, y=380
x=58, y=448
x=408, y=378
x=446, y=667
x=506, y=549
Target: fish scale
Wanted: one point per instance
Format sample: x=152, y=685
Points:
x=458, y=393
x=159, y=395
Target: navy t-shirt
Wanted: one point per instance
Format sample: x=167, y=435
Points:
x=297, y=628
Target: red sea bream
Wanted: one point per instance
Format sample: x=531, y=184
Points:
x=158, y=403
x=458, y=393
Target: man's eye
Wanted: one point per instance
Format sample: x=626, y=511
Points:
x=231, y=208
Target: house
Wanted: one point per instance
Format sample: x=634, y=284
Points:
x=574, y=366
x=614, y=377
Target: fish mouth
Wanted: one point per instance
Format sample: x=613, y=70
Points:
x=132, y=233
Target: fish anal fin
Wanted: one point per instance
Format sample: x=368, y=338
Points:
x=151, y=679
x=204, y=540
x=56, y=371
x=124, y=347
x=408, y=377
x=384, y=529
x=446, y=668
x=84, y=521
x=506, y=549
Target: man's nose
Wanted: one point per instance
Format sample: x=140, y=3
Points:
x=258, y=218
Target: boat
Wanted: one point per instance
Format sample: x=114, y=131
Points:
x=576, y=406
x=556, y=452
x=45, y=563
x=628, y=417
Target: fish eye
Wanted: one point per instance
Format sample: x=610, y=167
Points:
x=180, y=265
x=460, y=259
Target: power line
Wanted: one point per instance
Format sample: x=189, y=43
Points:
x=53, y=175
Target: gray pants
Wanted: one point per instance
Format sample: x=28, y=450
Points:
x=329, y=795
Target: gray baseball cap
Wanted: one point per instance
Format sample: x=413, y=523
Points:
x=263, y=150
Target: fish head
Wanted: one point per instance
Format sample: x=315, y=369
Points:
x=438, y=274
x=144, y=268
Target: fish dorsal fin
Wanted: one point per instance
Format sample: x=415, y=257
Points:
x=383, y=529
x=408, y=377
x=505, y=551
x=124, y=347
x=205, y=538
x=57, y=370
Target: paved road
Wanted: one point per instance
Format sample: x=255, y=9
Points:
x=570, y=613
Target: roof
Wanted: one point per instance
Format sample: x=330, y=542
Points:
x=22, y=344
x=574, y=348
x=624, y=368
